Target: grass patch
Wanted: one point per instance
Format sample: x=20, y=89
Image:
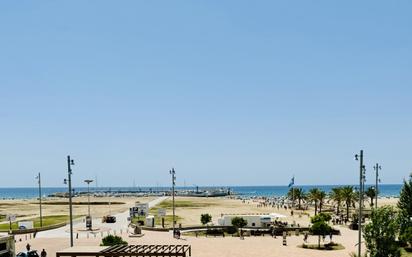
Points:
x=80, y=203
x=47, y=221
x=2, y=217
x=204, y=233
x=406, y=252
x=327, y=247
x=168, y=204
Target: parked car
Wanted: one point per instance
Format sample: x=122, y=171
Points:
x=109, y=219
x=32, y=253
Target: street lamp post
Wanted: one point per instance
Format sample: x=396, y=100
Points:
x=89, y=217
x=41, y=215
x=377, y=167
x=70, y=162
x=173, y=173
x=361, y=185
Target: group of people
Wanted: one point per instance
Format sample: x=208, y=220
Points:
x=42, y=254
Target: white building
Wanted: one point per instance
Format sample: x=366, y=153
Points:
x=253, y=220
x=7, y=248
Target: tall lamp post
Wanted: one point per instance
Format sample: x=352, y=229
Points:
x=377, y=167
x=89, y=217
x=361, y=185
x=41, y=215
x=70, y=162
x=173, y=173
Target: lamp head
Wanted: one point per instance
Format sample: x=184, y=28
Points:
x=356, y=157
x=71, y=162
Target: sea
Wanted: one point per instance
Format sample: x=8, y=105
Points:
x=385, y=190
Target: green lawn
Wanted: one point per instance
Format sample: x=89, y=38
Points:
x=405, y=253
x=80, y=203
x=47, y=221
x=168, y=204
x=182, y=204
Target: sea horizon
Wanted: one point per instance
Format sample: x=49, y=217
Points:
x=386, y=190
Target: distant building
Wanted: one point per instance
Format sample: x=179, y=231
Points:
x=253, y=220
x=7, y=248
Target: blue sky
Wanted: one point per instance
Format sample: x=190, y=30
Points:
x=227, y=92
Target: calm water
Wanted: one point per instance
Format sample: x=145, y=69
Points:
x=26, y=192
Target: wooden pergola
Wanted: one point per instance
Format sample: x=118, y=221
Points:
x=130, y=251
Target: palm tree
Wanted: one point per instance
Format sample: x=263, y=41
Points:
x=321, y=199
x=313, y=196
x=371, y=193
x=297, y=193
x=349, y=196
x=337, y=197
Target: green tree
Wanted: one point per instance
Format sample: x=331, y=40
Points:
x=371, y=194
x=405, y=206
x=406, y=236
x=239, y=223
x=313, y=196
x=380, y=234
x=320, y=226
x=112, y=240
x=337, y=196
x=349, y=196
x=205, y=218
x=296, y=193
x=321, y=199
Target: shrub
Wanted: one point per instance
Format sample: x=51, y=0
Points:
x=113, y=240
x=231, y=230
x=406, y=236
x=205, y=218
x=239, y=222
x=380, y=233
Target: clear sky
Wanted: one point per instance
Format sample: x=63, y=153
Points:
x=227, y=92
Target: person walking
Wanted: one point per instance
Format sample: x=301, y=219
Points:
x=43, y=253
x=28, y=247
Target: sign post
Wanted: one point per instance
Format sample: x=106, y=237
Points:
x=162, y=213
x=10, y=218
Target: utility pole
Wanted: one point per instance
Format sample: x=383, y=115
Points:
x=70, y=162
x=377, y=167
x=173, y=173
x=41, y=215
x=89, y=217
x=361, y=184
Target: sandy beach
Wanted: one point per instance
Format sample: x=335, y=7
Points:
x=29, y=208
x=201, y=246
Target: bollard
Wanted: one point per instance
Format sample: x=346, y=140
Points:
x=87, y=234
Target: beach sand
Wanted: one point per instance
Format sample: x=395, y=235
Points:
x=29, y=208
x=202, y=247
